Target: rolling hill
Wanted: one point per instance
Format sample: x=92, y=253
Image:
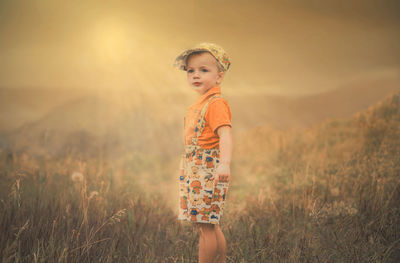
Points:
x=117, y=122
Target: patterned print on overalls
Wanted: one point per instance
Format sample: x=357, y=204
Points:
x=201, y=200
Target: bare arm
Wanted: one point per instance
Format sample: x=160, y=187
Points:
x=181, y=165
x=225, y=155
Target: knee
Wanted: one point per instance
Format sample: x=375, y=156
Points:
x=204, y=228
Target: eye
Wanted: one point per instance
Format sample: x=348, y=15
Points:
x=190, y=71
x=204, y=70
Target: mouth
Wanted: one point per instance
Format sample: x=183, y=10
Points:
x=196, y=84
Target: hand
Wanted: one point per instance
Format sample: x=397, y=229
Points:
x=223, y=173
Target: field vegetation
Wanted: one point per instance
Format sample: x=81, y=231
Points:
x=329, y=193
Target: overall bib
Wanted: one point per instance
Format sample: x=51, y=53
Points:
x=201, y=200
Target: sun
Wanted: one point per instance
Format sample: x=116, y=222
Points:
x=111, y=41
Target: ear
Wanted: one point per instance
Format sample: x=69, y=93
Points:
x=220, y=77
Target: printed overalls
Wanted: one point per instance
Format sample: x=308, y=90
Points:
x=200, y=200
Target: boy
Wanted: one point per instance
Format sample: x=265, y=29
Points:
x=205, y=166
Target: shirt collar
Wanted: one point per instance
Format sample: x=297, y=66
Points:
x=213, y=91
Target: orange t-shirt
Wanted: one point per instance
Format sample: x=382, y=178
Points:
x=218, y=114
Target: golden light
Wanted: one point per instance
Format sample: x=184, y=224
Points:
x=111, y=41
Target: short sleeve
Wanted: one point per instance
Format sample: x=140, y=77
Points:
x=218, y=114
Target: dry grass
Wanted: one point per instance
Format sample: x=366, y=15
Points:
x=329, y=194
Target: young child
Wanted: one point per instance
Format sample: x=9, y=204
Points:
x=205, y=166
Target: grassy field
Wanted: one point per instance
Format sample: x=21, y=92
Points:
x=330, y=193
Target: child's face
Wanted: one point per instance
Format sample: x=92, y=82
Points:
x=203, y=72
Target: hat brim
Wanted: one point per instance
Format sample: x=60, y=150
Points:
x=180, y=61
x=216, y=51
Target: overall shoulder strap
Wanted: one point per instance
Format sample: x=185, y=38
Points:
x=201, y=121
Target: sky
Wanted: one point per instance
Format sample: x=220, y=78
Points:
x=285, y=47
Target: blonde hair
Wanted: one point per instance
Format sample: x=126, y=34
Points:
x=219, y=66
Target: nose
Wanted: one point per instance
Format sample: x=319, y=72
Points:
x=196, y=74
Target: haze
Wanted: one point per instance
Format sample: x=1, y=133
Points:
x=277, y=47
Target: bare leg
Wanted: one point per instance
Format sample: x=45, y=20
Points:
x=221, y=244
x=207, y=243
